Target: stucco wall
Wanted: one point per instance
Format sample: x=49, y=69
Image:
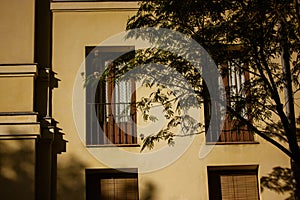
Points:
x=17, y=176
x=17, y=31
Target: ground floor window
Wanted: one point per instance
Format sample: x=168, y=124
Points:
x=111, y=184
x=233, y=183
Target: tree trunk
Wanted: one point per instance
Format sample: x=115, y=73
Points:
x=290, y=112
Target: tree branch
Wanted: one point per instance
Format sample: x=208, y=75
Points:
x=261, y=134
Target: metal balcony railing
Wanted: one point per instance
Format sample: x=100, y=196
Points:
x=110, y=123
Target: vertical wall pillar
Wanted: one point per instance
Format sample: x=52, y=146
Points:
x=44, y=166
x=46, y=154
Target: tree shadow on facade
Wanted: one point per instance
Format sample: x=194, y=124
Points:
x=70, y=179
x=149, y=191
x=279, y=180
x=17, y=169
x=72, y=185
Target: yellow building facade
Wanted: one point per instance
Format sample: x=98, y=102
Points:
x=42, y=72
x=30, y=138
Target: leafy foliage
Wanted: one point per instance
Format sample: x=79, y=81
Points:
x=263, y=35
x=252, y=32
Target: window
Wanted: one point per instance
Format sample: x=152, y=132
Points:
x=233, y=183
x=110, y=109
x=111, y=184
x=234, y=78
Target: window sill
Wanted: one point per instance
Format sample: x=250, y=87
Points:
x=232, y=143
x=112, y=145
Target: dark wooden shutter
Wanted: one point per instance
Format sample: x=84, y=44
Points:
x=119, y=189
x=233, y=183
x=239, y=187
x=106, y=184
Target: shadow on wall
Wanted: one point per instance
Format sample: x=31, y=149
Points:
x=17, y=169
x=149, y=190
x=70, y=179
x=279, y=180
x=71, y=182
x=18, y=166
x=128, y=190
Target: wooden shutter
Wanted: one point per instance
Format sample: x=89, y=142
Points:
x=233, y=183
x=119, y=189
x=121, y=112
x=239, y=187
x=234, y=79
x=112, y=184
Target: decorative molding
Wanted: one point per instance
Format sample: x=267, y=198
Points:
x=94, y=6
x=16, y=70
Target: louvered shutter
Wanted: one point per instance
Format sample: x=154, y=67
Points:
x=239, y=187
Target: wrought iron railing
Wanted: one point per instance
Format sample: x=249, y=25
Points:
x=110, y=123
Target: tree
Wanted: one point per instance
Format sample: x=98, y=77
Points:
x=262, y=35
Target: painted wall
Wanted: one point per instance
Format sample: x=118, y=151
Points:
x=78, y=25
x=17, y=180
x=17, y=88
x=17, y=132
x=17, y=31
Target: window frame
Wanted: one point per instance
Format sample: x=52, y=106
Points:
x=108, y=132
x=233, y=131
x=214, y=174
x=93, y=179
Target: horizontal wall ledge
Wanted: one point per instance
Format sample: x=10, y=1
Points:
x=19, y=129
x=232, y=143
x=111, y=145
x=19, y=137
x=93, y=6
x=14, y=69
x=17, y=113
